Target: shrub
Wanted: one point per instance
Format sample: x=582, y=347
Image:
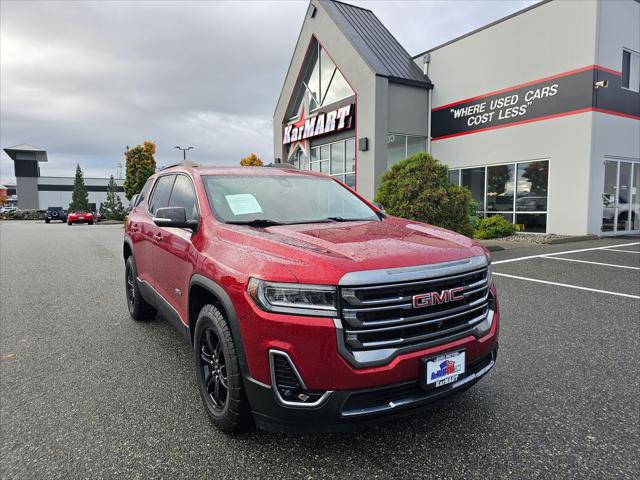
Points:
x=418, y=188
x=494, y=227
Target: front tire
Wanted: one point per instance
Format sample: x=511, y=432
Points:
x=139, y=308
x=69, y=223
x=218, y=372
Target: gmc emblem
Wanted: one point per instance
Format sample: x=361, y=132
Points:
x=437, y=298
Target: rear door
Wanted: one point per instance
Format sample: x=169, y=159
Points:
x=174, y=254
x=148, y=232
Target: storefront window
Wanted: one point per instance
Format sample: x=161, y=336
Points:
x=523, y=186
x=533, y=179
x=337, y=159
x=473, y=179
x=401, y=146
x=500, y=188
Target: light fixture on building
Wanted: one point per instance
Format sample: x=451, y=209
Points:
x=601, y=84
x=363, y=144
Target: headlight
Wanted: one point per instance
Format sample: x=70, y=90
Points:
x=293, y=298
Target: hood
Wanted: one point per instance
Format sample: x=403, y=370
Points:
x=322, y=253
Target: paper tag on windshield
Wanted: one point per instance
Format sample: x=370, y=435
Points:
x=243, y=204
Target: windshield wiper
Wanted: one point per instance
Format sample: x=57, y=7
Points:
x=257, y=222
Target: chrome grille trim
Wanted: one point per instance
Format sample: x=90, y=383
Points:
x=378, y=320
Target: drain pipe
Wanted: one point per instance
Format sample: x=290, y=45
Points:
x=426, y=59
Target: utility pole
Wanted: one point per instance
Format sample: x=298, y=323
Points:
x=184, y=151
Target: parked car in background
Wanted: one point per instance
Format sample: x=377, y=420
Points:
x=80, y=217
x=7, y=209
x=55, y=213
x=306, y=306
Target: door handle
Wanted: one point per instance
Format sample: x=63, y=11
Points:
x=157, y=237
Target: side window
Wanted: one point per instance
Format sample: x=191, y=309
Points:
x=631, y=70
x=160, y=195
x=183, y=195
x=144, y=193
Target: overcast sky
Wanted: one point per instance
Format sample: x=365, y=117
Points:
x=84, y=79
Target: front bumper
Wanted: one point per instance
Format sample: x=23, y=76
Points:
x=346, y=409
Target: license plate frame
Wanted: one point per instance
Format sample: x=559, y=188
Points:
x=432, y=376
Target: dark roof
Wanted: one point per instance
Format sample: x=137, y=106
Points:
x=24, y=151
x=375, y=44
x=489, y=25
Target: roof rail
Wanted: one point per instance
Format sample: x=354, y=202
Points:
x=184, y=163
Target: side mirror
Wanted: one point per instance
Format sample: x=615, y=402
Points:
x=174, y=217
x=379, y=206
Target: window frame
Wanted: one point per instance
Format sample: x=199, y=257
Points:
x=631, y=53
x=155, y=187
x=193, y=188
x=514, y=213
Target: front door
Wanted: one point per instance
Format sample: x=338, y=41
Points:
x=621, y=197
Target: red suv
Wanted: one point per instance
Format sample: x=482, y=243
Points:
x=307, y=306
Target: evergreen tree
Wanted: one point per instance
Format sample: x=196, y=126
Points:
x=139, y=165
x=80, y=196
x=112, y=208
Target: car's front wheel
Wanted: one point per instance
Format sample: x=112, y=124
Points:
x=218, y=372
x=139, y=308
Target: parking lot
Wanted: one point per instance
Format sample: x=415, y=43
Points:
x=88, y=393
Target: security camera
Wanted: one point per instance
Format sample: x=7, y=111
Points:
x=601, y=84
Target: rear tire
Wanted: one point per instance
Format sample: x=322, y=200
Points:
x=90, y=223
x=218, y=372
x=139, y=308
x=47, y=221
x=69, y=224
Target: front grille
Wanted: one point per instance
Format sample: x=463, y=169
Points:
x=383, y=316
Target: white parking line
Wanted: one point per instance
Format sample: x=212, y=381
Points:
x=535, y=280
x=619, y=250
x=563, y=253
x=592, y=263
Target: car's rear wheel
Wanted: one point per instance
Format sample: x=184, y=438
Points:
x=218, y=372
x=69, y=223
x=90, y=223
x=139, y=308
x=47, y=221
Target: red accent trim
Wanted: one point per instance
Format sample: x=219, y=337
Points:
x=608, y=70
x=526, y=84
x=619, y=114
x=547, y=117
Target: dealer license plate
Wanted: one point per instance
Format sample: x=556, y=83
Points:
x=444, y=369
x=80, y=218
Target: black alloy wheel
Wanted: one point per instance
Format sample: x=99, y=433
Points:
x=139, y=308
x=214, y=369
x=218, y=372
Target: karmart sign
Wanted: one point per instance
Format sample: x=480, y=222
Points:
x=319, y=124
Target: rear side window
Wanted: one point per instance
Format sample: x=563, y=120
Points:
x=183, y=195
x=160, y=195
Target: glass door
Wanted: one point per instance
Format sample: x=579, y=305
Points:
x=621, y=197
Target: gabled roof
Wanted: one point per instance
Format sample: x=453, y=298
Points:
x=375, y=44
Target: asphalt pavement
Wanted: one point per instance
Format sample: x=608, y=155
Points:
x=85, y=392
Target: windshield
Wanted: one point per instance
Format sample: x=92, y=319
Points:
x=283, y=200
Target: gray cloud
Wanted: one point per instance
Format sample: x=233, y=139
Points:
x=85, y=79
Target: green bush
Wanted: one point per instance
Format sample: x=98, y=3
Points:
x=418, y=188
x=494, y=227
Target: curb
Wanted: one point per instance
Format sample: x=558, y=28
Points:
x=581, y=238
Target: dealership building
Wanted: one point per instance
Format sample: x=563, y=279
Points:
x=538, y=113
x=33, y=191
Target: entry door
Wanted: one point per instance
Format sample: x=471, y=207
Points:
x=621, y=197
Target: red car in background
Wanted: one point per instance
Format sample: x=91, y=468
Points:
x=80, y=217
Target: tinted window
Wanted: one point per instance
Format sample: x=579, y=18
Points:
x=144, y=193
x=184, y=196
x=160, y=196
